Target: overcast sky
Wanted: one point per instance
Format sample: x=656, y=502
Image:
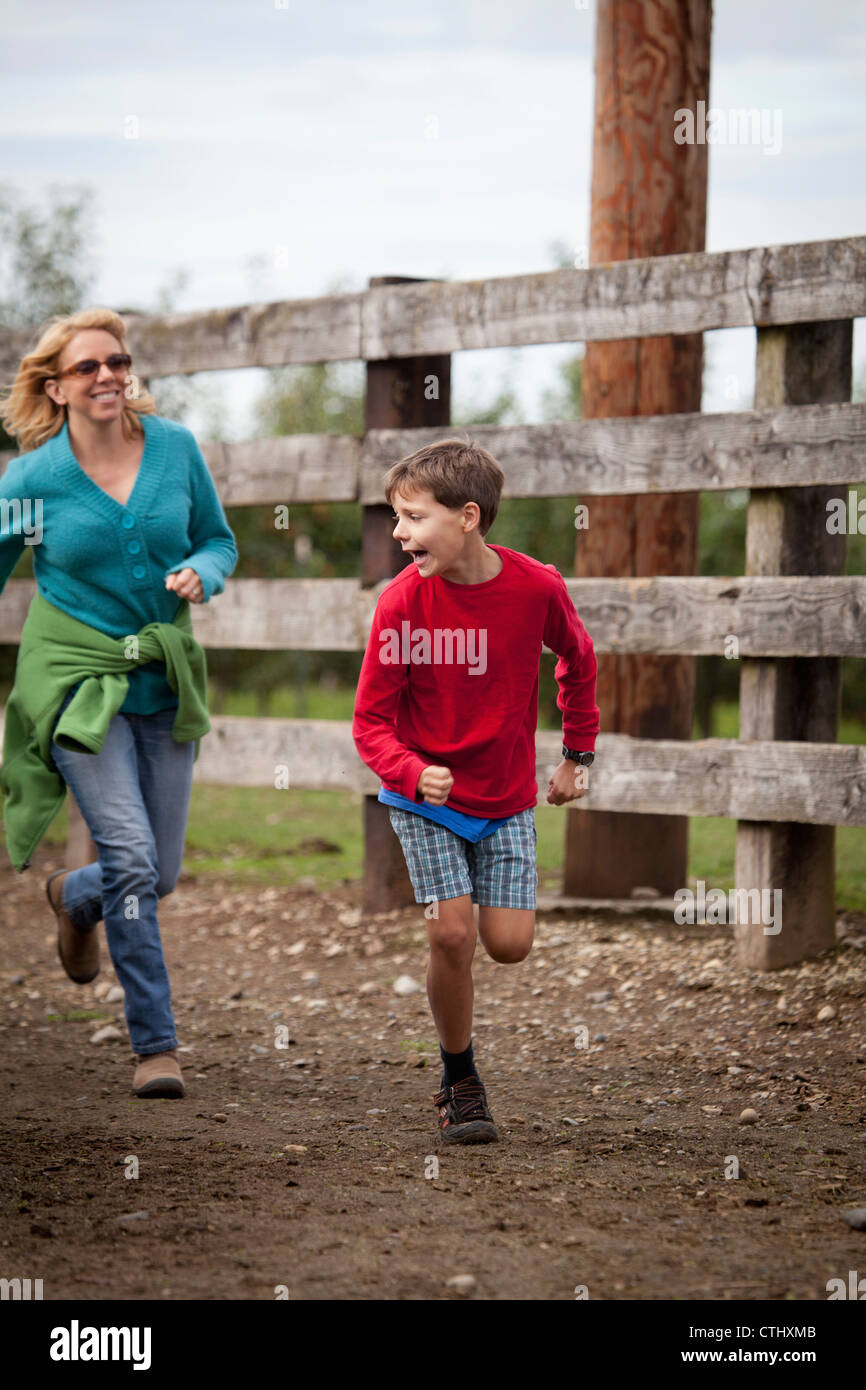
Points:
x=394, y=137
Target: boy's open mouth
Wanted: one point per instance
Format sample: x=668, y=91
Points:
x=419, y=556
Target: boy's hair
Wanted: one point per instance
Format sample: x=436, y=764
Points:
x=456, y=471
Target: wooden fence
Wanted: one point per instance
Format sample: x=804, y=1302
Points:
x=794, y=613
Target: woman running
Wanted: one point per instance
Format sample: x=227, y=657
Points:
x=110, y=685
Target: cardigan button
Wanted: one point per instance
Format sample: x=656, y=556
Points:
x=127, y=521
x=139, y=571
x=133, y=547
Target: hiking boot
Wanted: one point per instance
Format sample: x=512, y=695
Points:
x=463, y=1114
x=77, y=947
x=158, y=1076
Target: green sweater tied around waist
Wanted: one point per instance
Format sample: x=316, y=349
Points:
x=57, y=652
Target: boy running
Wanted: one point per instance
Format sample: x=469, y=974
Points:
x=445, y=714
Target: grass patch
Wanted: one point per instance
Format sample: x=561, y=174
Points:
x=79, y=1016
x=264, y=835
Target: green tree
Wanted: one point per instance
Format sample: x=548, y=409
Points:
x=46, y=261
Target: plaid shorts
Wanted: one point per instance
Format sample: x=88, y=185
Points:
x=498, y=871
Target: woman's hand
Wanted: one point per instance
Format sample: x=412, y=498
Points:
x=186, y=584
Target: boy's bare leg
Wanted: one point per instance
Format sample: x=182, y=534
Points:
x=506, y=932
x=449, y=972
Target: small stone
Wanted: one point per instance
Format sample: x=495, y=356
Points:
x=462, y=1284
x=100, y=990
x=257, y=1048
x=295, y=1148
x=296, y=949
x=114, y=995
x=107, y=1034
x=748, y=1116
x=599, y=996
x=826, y=1013
x=130, y=1217
x=404, y=984
x=219, y=1117
x=856, y=1218
x=367, y=987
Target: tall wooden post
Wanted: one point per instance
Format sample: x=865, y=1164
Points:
x=648, y=199
x=397, y=398
x=793, y=698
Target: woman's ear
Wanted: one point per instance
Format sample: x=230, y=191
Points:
x=53, y=391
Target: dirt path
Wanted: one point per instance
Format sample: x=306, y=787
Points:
x=307, y=1165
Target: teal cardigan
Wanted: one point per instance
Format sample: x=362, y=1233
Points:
x=106, y=564
x=57, y=653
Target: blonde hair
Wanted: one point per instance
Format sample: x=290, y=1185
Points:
x=456, y=471
x=29, y=413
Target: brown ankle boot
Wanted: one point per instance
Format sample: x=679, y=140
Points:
x=78, y=950
x=158, y=1075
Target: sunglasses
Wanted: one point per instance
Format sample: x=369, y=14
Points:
x=117, y=362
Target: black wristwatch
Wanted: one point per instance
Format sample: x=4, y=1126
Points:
x=585, y=759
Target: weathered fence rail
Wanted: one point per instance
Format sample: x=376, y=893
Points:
x=793, y=446
x=806, y=282
x=778, y=617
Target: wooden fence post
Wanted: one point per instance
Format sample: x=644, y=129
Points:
x=792, y=698
x=396, y=399
x=649, y=198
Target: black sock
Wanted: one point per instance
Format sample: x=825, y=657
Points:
x=458, y=1065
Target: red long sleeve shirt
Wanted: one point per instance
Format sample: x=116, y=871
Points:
x=450, y=679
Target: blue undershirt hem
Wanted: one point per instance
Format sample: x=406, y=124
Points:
x=471, y=828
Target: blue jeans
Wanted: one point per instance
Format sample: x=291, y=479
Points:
x=134, y=797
